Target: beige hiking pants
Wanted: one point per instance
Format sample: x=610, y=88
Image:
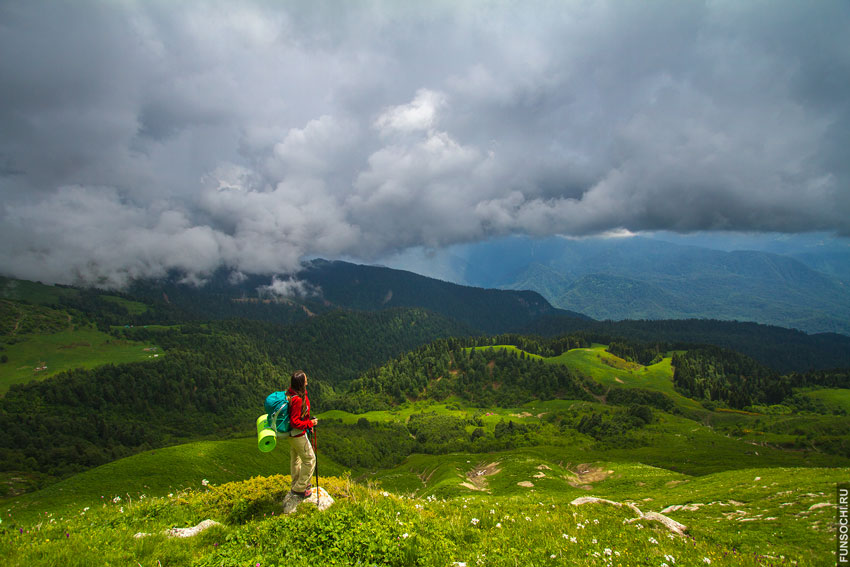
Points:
x=302, y=460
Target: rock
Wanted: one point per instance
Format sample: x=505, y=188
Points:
x=183, y=532
x=291, y=502
x=320, y=498
x=526, y=484
x=682, y=507
x=189, y=532
x=669, y=523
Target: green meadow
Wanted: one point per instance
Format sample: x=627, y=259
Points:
x=508, y=508
x=36, y=357
x=832, y=398
x=132, y=307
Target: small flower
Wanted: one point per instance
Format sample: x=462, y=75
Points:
x=670, y=558
x=499, y=525
x=385, y=493
x=116, y=500
x=474, y=521
x=405, y=535
x=205, y=482
x=654, y=541
x=527, y=519
x=706, y=560
x=607, y=551
x=593, y=540
x=552, y=556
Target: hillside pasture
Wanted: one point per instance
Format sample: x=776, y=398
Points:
x=157, y=473
x=39, y=356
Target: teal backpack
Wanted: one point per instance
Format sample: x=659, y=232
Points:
x=277, y=406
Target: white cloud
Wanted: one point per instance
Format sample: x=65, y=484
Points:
x=289, y=287
x=138, y=138
x=419, y=114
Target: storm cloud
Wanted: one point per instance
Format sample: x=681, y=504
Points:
x=142, y=137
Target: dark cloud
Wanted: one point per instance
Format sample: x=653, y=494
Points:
x=139, y=137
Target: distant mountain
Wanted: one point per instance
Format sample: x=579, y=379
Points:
x=374, y=288
x=637, y=278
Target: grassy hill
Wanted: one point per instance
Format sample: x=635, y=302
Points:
x=37, y=342
x=494, y=509
x=37, y=357
x=156, y=473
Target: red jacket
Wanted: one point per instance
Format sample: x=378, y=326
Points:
x=298, y=417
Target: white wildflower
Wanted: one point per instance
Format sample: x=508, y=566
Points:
x=706, y=560
x=527, y=519
x=116, y=500
x=474, y=521
x=499, y=525
x=573, y=540
x=593, y=540
x=385, y=493
x=670, y=558
x=607, y=551
x=405, y=535
x=552, y=556
x=205, y=482
x=653, y=541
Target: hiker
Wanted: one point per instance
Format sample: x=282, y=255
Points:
x=302, y=459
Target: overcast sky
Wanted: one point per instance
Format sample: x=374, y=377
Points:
x=137, y=137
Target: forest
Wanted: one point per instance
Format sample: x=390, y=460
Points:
x=217, y=370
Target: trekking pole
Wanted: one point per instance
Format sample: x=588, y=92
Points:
x=316, y=455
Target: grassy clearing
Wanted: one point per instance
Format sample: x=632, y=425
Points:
x=132, y=307
x=33, y=292
x=612, y=371
x=833, y=398
x=71, y=348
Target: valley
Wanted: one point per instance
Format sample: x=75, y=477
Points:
x=438, y=440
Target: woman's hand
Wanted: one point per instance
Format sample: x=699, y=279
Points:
x=314, y=422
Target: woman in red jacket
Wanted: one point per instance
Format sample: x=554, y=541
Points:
x=302, y=459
